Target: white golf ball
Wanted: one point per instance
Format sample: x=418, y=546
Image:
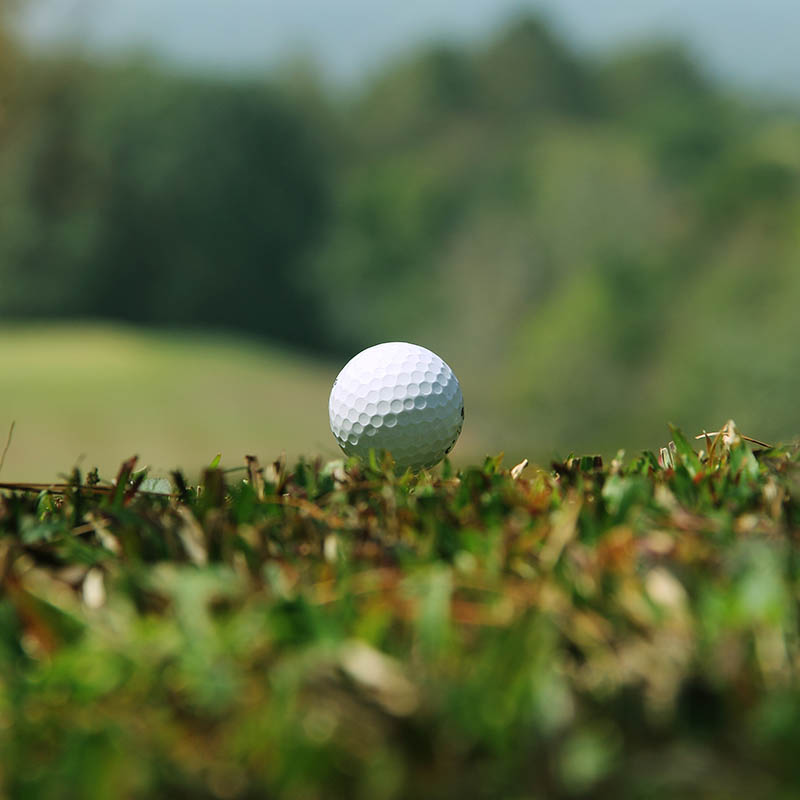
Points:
x=397, y=397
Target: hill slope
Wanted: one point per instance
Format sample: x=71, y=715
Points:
x=597, y=247
x=97, y=394
x=594, y=246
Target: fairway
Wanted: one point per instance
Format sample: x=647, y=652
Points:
x=93, y=395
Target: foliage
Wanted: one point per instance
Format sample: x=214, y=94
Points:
x=557, y=225
x=342, y=631
x=560, y=227
x=133, y=194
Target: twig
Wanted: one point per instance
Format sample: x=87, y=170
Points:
x=64, y=488
x=8, y=444
x=741, y=436
x=517, y=470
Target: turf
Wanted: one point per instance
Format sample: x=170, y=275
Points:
x=92, y=394
x=337, y=630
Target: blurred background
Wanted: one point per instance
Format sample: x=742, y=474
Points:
x=591, y=211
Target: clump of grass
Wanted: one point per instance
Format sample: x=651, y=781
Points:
x=337, y=630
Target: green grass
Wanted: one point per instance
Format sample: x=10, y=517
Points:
x=339, y=631
x=94, y=394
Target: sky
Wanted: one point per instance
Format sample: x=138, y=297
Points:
x=749, y=43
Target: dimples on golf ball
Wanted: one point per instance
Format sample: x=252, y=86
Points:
x=398, y=397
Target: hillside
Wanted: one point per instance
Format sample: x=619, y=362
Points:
x=595, y=245
x=598, y=247
x=93, y=395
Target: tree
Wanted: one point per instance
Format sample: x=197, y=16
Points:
x=156, y=198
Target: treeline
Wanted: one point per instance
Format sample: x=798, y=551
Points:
x=131, y=193
x=134, y=193
x=588, y=239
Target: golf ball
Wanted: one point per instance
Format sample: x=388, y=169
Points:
x=397, y=397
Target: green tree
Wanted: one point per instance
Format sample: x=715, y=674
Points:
x=151, y=197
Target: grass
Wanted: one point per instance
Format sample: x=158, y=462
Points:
x=94, y=394
x=336, y=630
